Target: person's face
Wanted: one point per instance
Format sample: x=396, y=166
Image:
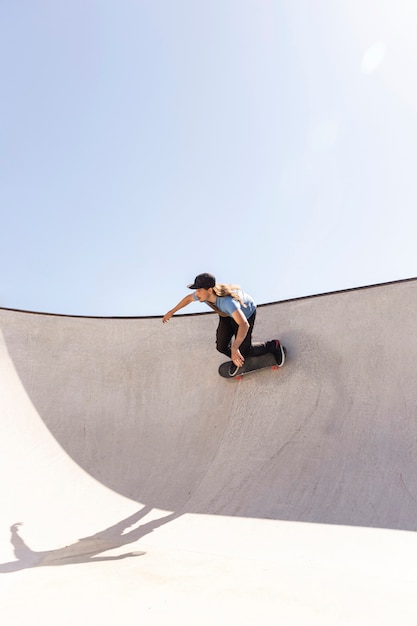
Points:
x=203, y=294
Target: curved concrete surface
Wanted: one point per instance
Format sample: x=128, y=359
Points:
x=172, y=495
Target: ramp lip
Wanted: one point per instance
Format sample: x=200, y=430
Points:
x=264, y=304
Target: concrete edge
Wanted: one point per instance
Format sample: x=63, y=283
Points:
x=266, y=304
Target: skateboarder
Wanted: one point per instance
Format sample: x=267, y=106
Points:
x=237, y=313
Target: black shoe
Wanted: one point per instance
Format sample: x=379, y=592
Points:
x=279, y=353
x=233, y=369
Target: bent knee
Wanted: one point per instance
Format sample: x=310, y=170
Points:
x=223, y=349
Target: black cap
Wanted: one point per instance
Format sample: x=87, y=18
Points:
x=203, y=281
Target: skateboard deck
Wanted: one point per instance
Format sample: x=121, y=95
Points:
x=251, y=364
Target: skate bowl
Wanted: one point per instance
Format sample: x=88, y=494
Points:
x=108, y=422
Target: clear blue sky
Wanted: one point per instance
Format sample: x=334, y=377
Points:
x=270, y=142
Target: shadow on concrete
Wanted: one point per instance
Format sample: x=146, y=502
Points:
x=86, y=549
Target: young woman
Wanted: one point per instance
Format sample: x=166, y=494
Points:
x=237, y=313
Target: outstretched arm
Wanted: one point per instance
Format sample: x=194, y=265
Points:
x=184, y=302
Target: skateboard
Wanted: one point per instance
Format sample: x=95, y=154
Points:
x=251, y=364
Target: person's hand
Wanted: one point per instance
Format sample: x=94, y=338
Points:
x=237, y=358
x=167, y=317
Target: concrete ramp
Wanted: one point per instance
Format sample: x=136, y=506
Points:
x=288, y=495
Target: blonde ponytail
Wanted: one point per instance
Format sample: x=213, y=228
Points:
x=222, y=290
